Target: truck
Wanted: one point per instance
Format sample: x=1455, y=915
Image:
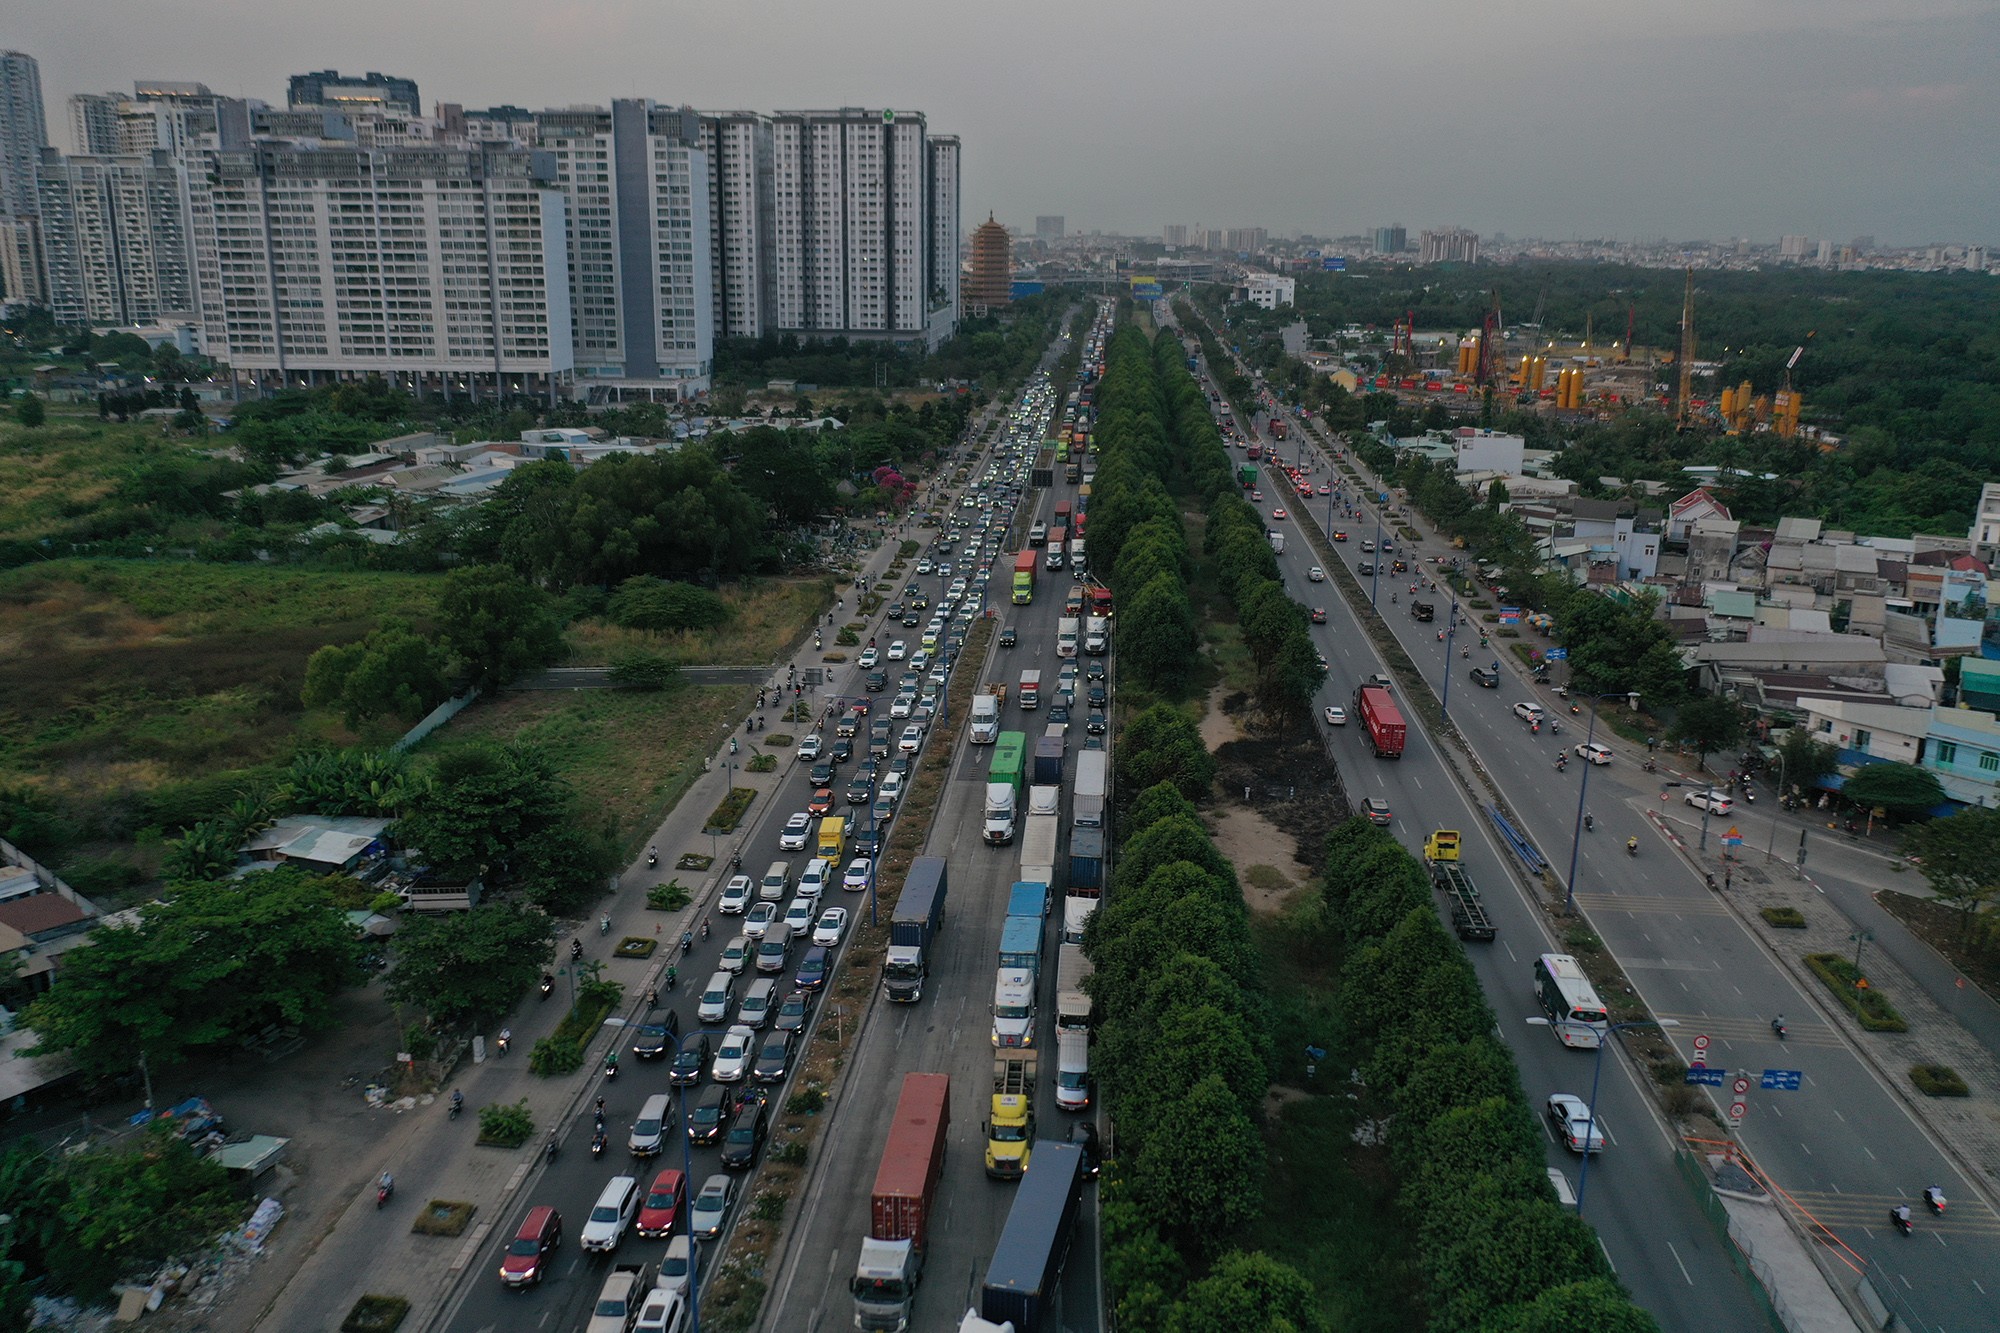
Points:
x=899, y=1208
x=1021, y=944
x=912, y=929
x=1077, y=911
x=1468, y=914
x=1096, y=636
x=1022, y=1284
x=1100, y=600
x=1009, y=764
x=1027, y=897
x=1057, y=547
x=625, y=1289
x=1024, y=578
x=1246, y=476
x=999, y=827
x=1277, y=540
x=1076, y=559
x=1072, y=1069
x=1044, y=471
x=970, y=1322
x=1072, y=1004
x=1045, y=798
x=1061, y=519
x=1048, y=763
x=1010, y=1124
x=1086, y=861
x=1066, y=640
x=1031, y=688
x=1379, y=714
x=832, y=838
x=1277, y=427
x=1038, y=849
x=1087, y=801
x=1013, y=1008
x=1424, y=610
x=1073, y=470
x=985, y=725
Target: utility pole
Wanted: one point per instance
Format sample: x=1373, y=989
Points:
x=1684, y=360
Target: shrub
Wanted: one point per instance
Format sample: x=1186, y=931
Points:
x=761, y=763
x=668, y=897
x=770, y=1206
x=444, y=1217
x=807, y=1101
x=729, y=814
x=375, y=1314
x=645, y=602
x=504, y=1126
x=789, y=1154
x=1938, y=1081
x=1867, y=1004
x=554, y=1056
x=1784, y=918
x=636, y=946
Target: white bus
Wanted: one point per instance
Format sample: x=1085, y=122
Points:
x=1574, y=1010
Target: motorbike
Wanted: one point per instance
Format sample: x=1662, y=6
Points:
x=1631, y=846
x=553, y=1147
x=1934, y=1200
x=1555, y=727
x=1650, y=766
x=548, y=985
x=1562, y=764
x=652, y=857
x=598, y=1142
x=383, y=1189
x=457, y=1104
x=1589, y=823
x=736, y=860
x=504, y=1040
x=575, y=949
x=673, y=976
x=611, y=1068
x=604, y=925
x=1899, y=1218
x=1778, y=1027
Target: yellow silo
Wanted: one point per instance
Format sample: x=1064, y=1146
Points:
x=1525, y=375
x=1729, y=408
x=1468, y=356
x=1541, y=371
x=1785, y=413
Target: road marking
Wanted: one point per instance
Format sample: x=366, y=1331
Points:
x=1686, y=1276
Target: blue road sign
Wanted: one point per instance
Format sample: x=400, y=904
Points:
x=1712, y=1078
x=1557, y=654
x=1782, y=1080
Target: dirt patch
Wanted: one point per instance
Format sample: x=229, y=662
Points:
x=1942, y=928
x=1252, y=843
x=1220, y=719
x=1294, y=790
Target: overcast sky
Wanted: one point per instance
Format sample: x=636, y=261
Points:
x=1557, y=118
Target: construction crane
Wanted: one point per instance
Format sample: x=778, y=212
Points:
x=1489, y=344
x=1684, y=360
x=1631, y=320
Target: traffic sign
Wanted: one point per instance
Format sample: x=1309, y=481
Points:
x=1557, y=654
x=1711, y=1078
x=1737, y=1110
x=1739, y=1085
x=1701, y=1043
x=1782, y=1080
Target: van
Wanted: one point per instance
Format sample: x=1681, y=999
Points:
x=715, y=997
x=819, y=871
x=528, y=1254
x=755, y=1010
x=777, y=882
x=1072, y=1070
x=649, y=1130
x=663, y=1312
x=832, y=837
x=771, y=950
x=611, y=1214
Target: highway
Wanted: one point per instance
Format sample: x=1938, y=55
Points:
x=1843, y=1145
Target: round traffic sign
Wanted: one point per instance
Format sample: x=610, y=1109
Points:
x=1701, y=1041
x=1737, y=1110
x=1740, y=1086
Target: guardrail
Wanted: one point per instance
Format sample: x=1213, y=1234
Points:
x=1517, y=841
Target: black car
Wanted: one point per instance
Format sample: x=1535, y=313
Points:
x=710, y=1117
x=895, y=610
x=1094, y=669
x=794, y=1013
x=1094, y=725
x=1098, y=694
x=877, y=682
x=745, y=1138
x=900, y=764
x=1084, y=1135
x=843, y=750
x=689, y=1061
x=655, y=1036
x=1008, y=638
x=774, y=1058
x=912, y=619
x=868, y=843
x=1482, y=676
x=861, y=790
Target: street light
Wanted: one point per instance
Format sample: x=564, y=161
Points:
x=1597, y=1071
x=1451, y=634
x=1583, y=789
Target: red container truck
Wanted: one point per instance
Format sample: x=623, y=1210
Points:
x=1384, y=722
x=899, y=1209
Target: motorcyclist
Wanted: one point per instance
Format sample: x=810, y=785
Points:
x=457, y=1101
x=506, y=1038
x=1934, y=1197
x=1589, y=821
x=1901, y=1212
x=575, y=948
x=387, y=1184
x=1631, y=846
x=687, y=941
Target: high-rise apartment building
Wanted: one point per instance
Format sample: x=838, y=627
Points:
x=342, y=92
x=115, y=241
x=1391, y=240
x=1453, y=245
x=738, y=147
x=24, y=132
x=440, y=269
x=177, y=116
x=22, y=277
x=1794, y=248
x=857, y=246
x=990, y=285
x=1175, y=234
x=640, y=268
x=1049, y=227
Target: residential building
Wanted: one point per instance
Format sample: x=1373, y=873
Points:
x=1175, y=235
x=24, y=133
x=1962, y=747
x=1391, y=240
x=1268, y=291
x=1985, y=533
x=1488, y=451
x=438, y=269
x=172, y=114
x=738, y=148
x=990, y=283
x=115, y=242
x=1454, y=245
x=22, y=277
x=1243, y=240
x=330, y=88
x=944, y=253
x=1049, y=227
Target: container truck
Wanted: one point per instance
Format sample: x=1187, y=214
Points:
x=1087, y=808
x=972, y=1323
x=1096, y=636
x=985, y=725
x=913, y=928
x=1028, y=898
x=1066, y=636
x=899, y=1209
x=1022, y=1282
x=1044, y=799
x=1061, y=520
x=1038, y=849
x=999, y=829
x=1057, y=545
x=1277, y=427
x=1246, y=476
x=1013, y=1008
x=1086, y=861
x=1077, y=911
x=1468, y=914
x=1044, y=471
x=1031, y=689
x=1047, y=770
x=1379, y=714
x=1010, y=1124
x=1072, y=1004
x=1076, y=560
x=1100, y=600
x=1021, y=944
x=1009, y=759
x=1024, y=578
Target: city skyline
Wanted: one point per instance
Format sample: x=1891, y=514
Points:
x=1762, y=119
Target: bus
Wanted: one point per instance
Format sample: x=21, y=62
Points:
x=1009, y=753
x=1575, y=1013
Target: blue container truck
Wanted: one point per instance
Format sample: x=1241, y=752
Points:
x=1023, y=1281
x=1027, y=898
x=1048, y=761
x=912, y=929
x=1086, y=862
x=1021, y=943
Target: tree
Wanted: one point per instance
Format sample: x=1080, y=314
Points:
x=1960, y=856
x=1160, y=801
x=1199, y=1178
x=464, y=965
x=1904, y=790
x=1163, y=744
x=1156, y=637
x=1249, y=1293
x=1595, y=1303
x=1805, y=759
x=482, y=800
x=394, y=672
x=644, y=671
x=30, y=411
x=497, y=623
x=645, y=602
x=1710, y=722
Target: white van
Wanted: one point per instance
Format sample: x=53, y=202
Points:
x=758, y=1001
x=819, y=873
x=649, y=1130
x=715, y=997
x=1072, y=1070
x=777, y=882
x=613, y=1212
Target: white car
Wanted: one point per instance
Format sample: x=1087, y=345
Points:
x=924, y=565
x=809, y=748
x=1528, y=712
x=832, y=925
x=858, y=871
x=675, y=1268
x=1573, y=1123
x=711, y=1207
x=812, y=881
x=797, y=829
x=891, y=786
x=612, y=1214
x=898, y=650
x=1711, y=800
x=1592, y=752
x=799, y=915
x=732, y=1057
x=921, y=660
x=759, y=920
x=869, y=657
x=913, y=738
x=735, y=954
x=905, y=705
x=1316, y=574
x=735, y=899
x=1336, y=716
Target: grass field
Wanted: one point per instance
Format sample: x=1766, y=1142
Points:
x=68, y=466
x=770, y=614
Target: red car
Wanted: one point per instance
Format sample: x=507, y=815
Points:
x=1325, y=489
x=663, y=1204
x=1340, y=534
x=1278, y=512
x=1319, y=615
x=821, y=803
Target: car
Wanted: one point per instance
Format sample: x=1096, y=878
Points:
x=831, y=926
x=1083, y=1134
x=746, y=1135
x=654, y=1038
x=821, y=775
x=732, y=1057
x=1094, y=723
x=1528, y=711
x=898, y=650
x=1256, y=497
x=1366, y=567
x=689, y=1061
x=1098, y=695
x=1335, y=715
x=711, y=1207
x=792, y=838
x=759, y=920
x=710, y=1116
x=813, y=968
x=913, y=738
x=1593, y=753
x=774, y=1057
x=860, y=789
x=843, y=751
x=617, y=1204
x=1316, y=575
x=1095, y=669
x=1059, y=710
x=528, y=1255
x=735, y=897
x=1367, y=547
x=905, y=705
x=798, y=915
x=876, y=682
x=924, y=565
x=662, y=1312
x=1487, y=677
x=809, y=748
x=1340, y=534
x=1711, y=800
x=891, y=788
x=1008, y=636
x=1279, y=512
x=859, y=871
x=866, y=846
x=1376, y=811
x=1326, y=488
x=661, y=1208
x=735, y=954
x=920, y=659
x=869, y=657
x=1574, y=1124
x=676, y=1268
x=883, y=810
x=821, y=802
x=911, y=619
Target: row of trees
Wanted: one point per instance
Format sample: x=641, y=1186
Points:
x=1496, y=1250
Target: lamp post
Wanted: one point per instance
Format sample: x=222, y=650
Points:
x=1770, y=847
x=1597, y=1072
x=1451, y=634
x=1583, y=790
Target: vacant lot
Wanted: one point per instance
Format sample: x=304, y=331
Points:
x=768, y=615
x=54, y=472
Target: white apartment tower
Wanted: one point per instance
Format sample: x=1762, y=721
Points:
x=115, y=238
x=442, y=270
x=640, y=267
x=854, y=249
x=738, y=147
x=24, y=132
x=944, y=266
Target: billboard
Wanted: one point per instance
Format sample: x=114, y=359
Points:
x=1146, y=288
x=1334, y=263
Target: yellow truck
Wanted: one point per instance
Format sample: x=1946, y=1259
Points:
x=1442, y=845
x=1010, y=1128
x=832, y=837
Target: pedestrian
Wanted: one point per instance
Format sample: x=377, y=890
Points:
x=1246, y=796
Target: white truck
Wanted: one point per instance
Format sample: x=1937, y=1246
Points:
x=1077, y=912
x=1091, y=788
x=1038, y=849
x=1044, y=800
x=1097, y=636
x=1076, y=557
x=1072, y=1005
x=985, y=727
x=999, y=814
x=1066, y=630
x=1013, y=1008
x=1277, y=541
